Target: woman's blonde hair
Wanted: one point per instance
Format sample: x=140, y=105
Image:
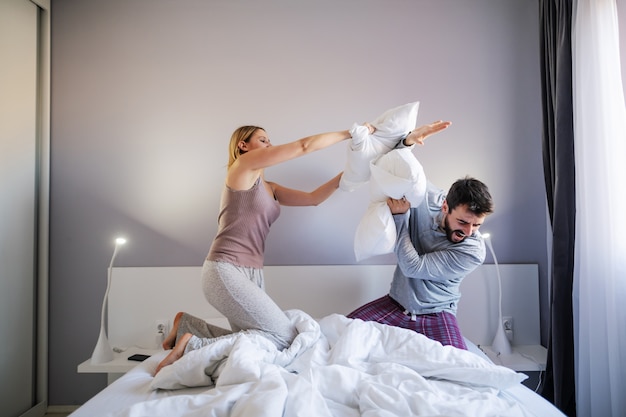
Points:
x=243, y=133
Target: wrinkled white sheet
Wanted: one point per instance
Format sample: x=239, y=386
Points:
x=335, y=367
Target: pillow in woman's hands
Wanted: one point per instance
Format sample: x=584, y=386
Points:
x=365, y=148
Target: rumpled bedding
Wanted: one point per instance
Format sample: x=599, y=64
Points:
x=335, y=367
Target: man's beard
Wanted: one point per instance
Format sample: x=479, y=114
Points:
x=450, y=233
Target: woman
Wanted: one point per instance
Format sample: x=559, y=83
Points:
x=232, y=274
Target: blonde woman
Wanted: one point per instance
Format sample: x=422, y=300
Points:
x=232, y=274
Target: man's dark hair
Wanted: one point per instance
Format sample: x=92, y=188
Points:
x=472, y=192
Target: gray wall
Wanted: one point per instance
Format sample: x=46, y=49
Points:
x=146, y=93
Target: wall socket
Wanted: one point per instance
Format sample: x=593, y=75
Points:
x=507, y=324
x=161, y=326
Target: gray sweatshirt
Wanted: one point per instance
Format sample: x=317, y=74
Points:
x=430, y=267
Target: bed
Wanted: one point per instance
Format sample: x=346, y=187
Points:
x=335, y=367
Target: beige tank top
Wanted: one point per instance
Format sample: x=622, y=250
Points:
x=243, y=224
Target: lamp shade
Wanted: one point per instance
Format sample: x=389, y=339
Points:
x=103, y=353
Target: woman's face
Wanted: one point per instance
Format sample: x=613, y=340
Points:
x=259, y=139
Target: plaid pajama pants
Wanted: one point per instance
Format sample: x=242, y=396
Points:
x=441, y=326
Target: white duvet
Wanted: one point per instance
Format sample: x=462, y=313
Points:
x=335, y=367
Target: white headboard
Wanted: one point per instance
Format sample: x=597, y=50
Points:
x=141, y=296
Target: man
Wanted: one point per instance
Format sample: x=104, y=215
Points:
x=438, y=244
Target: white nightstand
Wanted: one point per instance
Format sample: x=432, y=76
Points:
x=523, y=358
x=528, y=359
x=118, y=366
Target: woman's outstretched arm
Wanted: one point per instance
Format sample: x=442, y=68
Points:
x=290, y=197
x=272, y=155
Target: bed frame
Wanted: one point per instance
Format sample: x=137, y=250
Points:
x=140, y=298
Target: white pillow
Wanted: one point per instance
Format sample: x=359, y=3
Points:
x=396, y=174
x=364, y=148
x=376, y=232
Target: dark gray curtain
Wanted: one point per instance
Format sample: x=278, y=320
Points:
x=558, y=159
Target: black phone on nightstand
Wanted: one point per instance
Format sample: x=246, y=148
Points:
x=138, y=357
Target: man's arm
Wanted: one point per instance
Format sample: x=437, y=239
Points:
x=441, y=265
x=419, y=135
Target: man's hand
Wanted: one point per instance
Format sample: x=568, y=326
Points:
x=420, y=134
x=398, y=206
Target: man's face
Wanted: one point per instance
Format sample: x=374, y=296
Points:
x=460, y=222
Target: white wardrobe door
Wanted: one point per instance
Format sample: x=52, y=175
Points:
x=18, y=203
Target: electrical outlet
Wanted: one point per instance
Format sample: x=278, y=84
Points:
x=507, y=324
x=161, y=326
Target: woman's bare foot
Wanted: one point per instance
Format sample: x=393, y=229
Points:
x=170, y=340
x=176, y=353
